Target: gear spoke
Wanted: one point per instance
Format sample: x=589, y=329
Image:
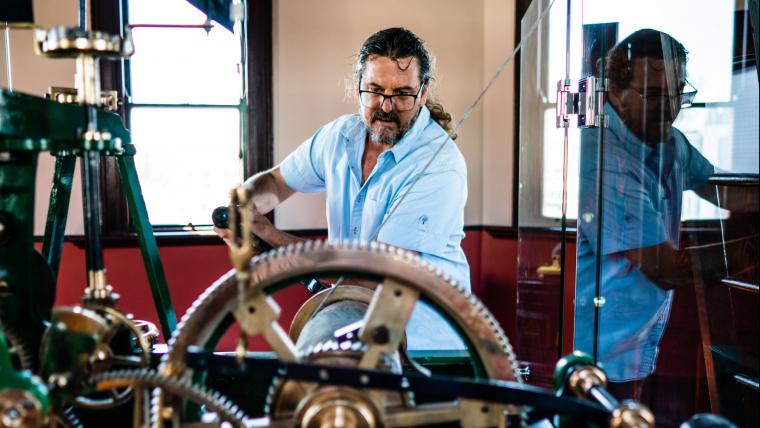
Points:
x=385, y=320
x=259, y=315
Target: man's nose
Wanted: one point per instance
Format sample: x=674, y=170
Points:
x=387, y=105
x=671, y=108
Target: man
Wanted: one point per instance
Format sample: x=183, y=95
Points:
x=374, y=164
x=378, y=170
x=646, y=166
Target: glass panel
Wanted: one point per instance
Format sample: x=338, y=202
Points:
x=540, y=282
x=655, y=232
x=186, y=160
x=180, y=65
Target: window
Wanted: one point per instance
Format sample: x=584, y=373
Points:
x=184, y=110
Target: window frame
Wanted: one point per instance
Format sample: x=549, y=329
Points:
x=257, y=144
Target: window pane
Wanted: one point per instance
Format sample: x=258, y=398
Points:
x=172, y=65
x=187, y=159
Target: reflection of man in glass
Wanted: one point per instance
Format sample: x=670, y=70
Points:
x=646, y=166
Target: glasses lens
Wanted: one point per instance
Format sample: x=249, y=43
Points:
x=687, y=98
x=370, y=99
x=403, y=102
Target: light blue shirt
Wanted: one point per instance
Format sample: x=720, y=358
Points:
x=642, y=191
x=430, y=219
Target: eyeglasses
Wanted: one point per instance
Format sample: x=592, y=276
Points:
x=685, y=99
x=400, y=102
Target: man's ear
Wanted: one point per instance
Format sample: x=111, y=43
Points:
x=424, y=93
x=619, y=100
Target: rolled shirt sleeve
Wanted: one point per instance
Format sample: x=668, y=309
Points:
x=303, y=169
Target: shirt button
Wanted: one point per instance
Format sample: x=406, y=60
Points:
x=356, y=230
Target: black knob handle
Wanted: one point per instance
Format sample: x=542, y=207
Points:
x=221, y=217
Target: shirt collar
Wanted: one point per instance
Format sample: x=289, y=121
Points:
x=627, y=140
x=657, y=157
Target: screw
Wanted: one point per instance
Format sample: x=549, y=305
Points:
x=166, y=412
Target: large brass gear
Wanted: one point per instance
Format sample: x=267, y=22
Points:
x=396, y=272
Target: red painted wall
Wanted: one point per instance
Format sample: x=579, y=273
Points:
x=190, y=269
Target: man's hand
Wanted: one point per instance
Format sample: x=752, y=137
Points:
x=262, y=228
x=225, y=234
x=260, y=225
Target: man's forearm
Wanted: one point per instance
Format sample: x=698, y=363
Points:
x=736, y=199
x=671, y=268
x=269, y=189
x=278, y=238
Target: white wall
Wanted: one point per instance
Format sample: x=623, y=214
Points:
x=34, y=75
x=498, y=113
x=314, y=47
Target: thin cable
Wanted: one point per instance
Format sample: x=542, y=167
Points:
x=464, y=117
x=326, y=298
x=722, y=230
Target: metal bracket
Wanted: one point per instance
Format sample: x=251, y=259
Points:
x=109, y=100
x=587, y=103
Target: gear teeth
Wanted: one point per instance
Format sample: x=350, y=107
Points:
x=216, y=402
x=22, y=353
x=328, y=346
x=68, y=419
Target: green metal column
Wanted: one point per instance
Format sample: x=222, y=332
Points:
x=139, y=216
x=58, y=209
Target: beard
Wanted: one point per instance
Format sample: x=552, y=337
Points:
x=382, y=134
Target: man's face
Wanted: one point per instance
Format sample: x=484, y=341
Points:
x=648, y=106
x=391, y=77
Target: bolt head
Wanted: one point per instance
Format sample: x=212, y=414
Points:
x=381, y=335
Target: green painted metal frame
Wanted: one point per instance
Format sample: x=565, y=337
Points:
x=148, y=247
x=30, y=124
x=58, y=208
x=17, y=179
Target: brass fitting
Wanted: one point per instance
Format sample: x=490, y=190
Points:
x=582, y=379
x=631, y=414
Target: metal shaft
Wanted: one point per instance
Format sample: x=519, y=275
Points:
x=91, y=203
x=88, y=93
